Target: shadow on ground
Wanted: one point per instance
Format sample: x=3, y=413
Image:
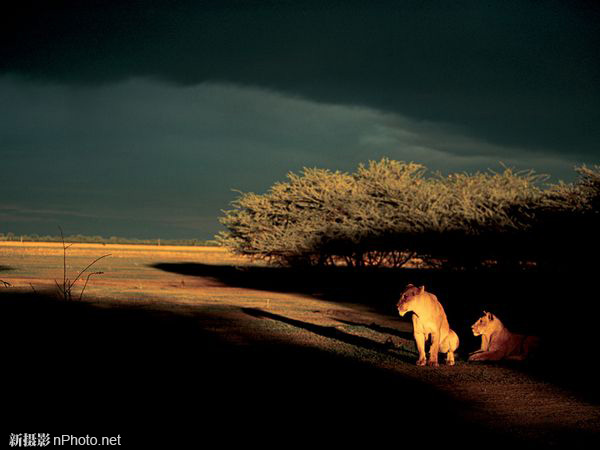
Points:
x=332, y=333
x=560, y=307
x=164, y=379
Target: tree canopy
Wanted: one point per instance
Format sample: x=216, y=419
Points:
x=389, y=212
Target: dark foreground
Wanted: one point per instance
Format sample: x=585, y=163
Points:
x=199, y=376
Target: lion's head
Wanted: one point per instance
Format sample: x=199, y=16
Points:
x=486, y=324
x=410, y=295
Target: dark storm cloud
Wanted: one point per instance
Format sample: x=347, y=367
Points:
x=144, y=159
x=515, y=73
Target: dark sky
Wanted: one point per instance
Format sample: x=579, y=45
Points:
x=138, y=118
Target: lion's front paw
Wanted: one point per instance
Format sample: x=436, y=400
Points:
x=475, y=357
x=433, y=363
x=421, y=362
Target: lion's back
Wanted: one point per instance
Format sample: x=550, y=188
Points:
x=520, y=346
x=433, y=312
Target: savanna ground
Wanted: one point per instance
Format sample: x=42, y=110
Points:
x=192, y=346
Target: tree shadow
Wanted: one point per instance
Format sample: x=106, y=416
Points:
x=377, y=288
x=335, y=333
x=559, y=307
x=378, y=328
x=161, y=376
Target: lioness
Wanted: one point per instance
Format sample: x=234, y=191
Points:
x=429, y=319
x=499, y=343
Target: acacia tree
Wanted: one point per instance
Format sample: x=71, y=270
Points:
x=388, y=212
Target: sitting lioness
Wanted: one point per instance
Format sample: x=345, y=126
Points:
x=498, y=343
x=429, y=319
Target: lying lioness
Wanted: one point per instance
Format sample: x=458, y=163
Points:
x=499, y=343
x=429, y=319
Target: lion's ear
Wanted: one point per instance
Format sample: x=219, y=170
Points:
x=409, y=285
x=422, y=289
x=490, y=316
